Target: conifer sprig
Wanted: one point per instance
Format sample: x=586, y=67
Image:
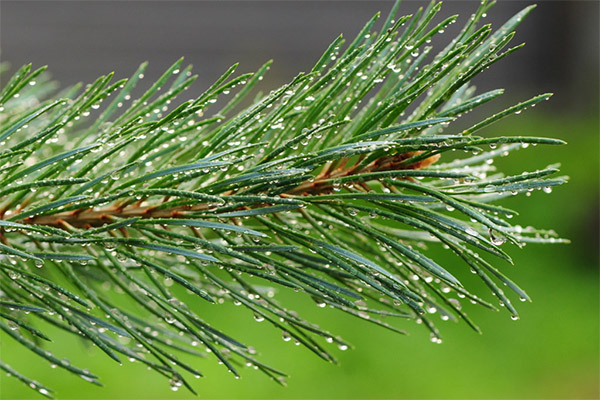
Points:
x=331, y=185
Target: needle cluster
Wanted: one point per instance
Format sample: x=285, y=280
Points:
x=122, y=218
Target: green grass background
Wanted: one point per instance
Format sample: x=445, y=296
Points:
x=551, y=352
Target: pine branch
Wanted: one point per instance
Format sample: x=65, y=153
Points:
x=331, y=185
x=90, y=217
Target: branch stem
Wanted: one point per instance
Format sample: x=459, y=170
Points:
x=322, y=184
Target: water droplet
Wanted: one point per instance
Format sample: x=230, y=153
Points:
x=435, y=338
x=258, y=317
x=169, y=319
x=456, y=303
x=175, y=383
x=496, y=239
x=14, y=275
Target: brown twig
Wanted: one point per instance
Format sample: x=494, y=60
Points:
x=321, y=184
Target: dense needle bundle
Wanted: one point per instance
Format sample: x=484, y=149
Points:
x=330, y=185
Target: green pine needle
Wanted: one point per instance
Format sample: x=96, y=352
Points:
x=331, y=185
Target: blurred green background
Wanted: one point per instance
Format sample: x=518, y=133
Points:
x=551, y=352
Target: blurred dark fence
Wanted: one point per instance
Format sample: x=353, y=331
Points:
x=81, y=40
